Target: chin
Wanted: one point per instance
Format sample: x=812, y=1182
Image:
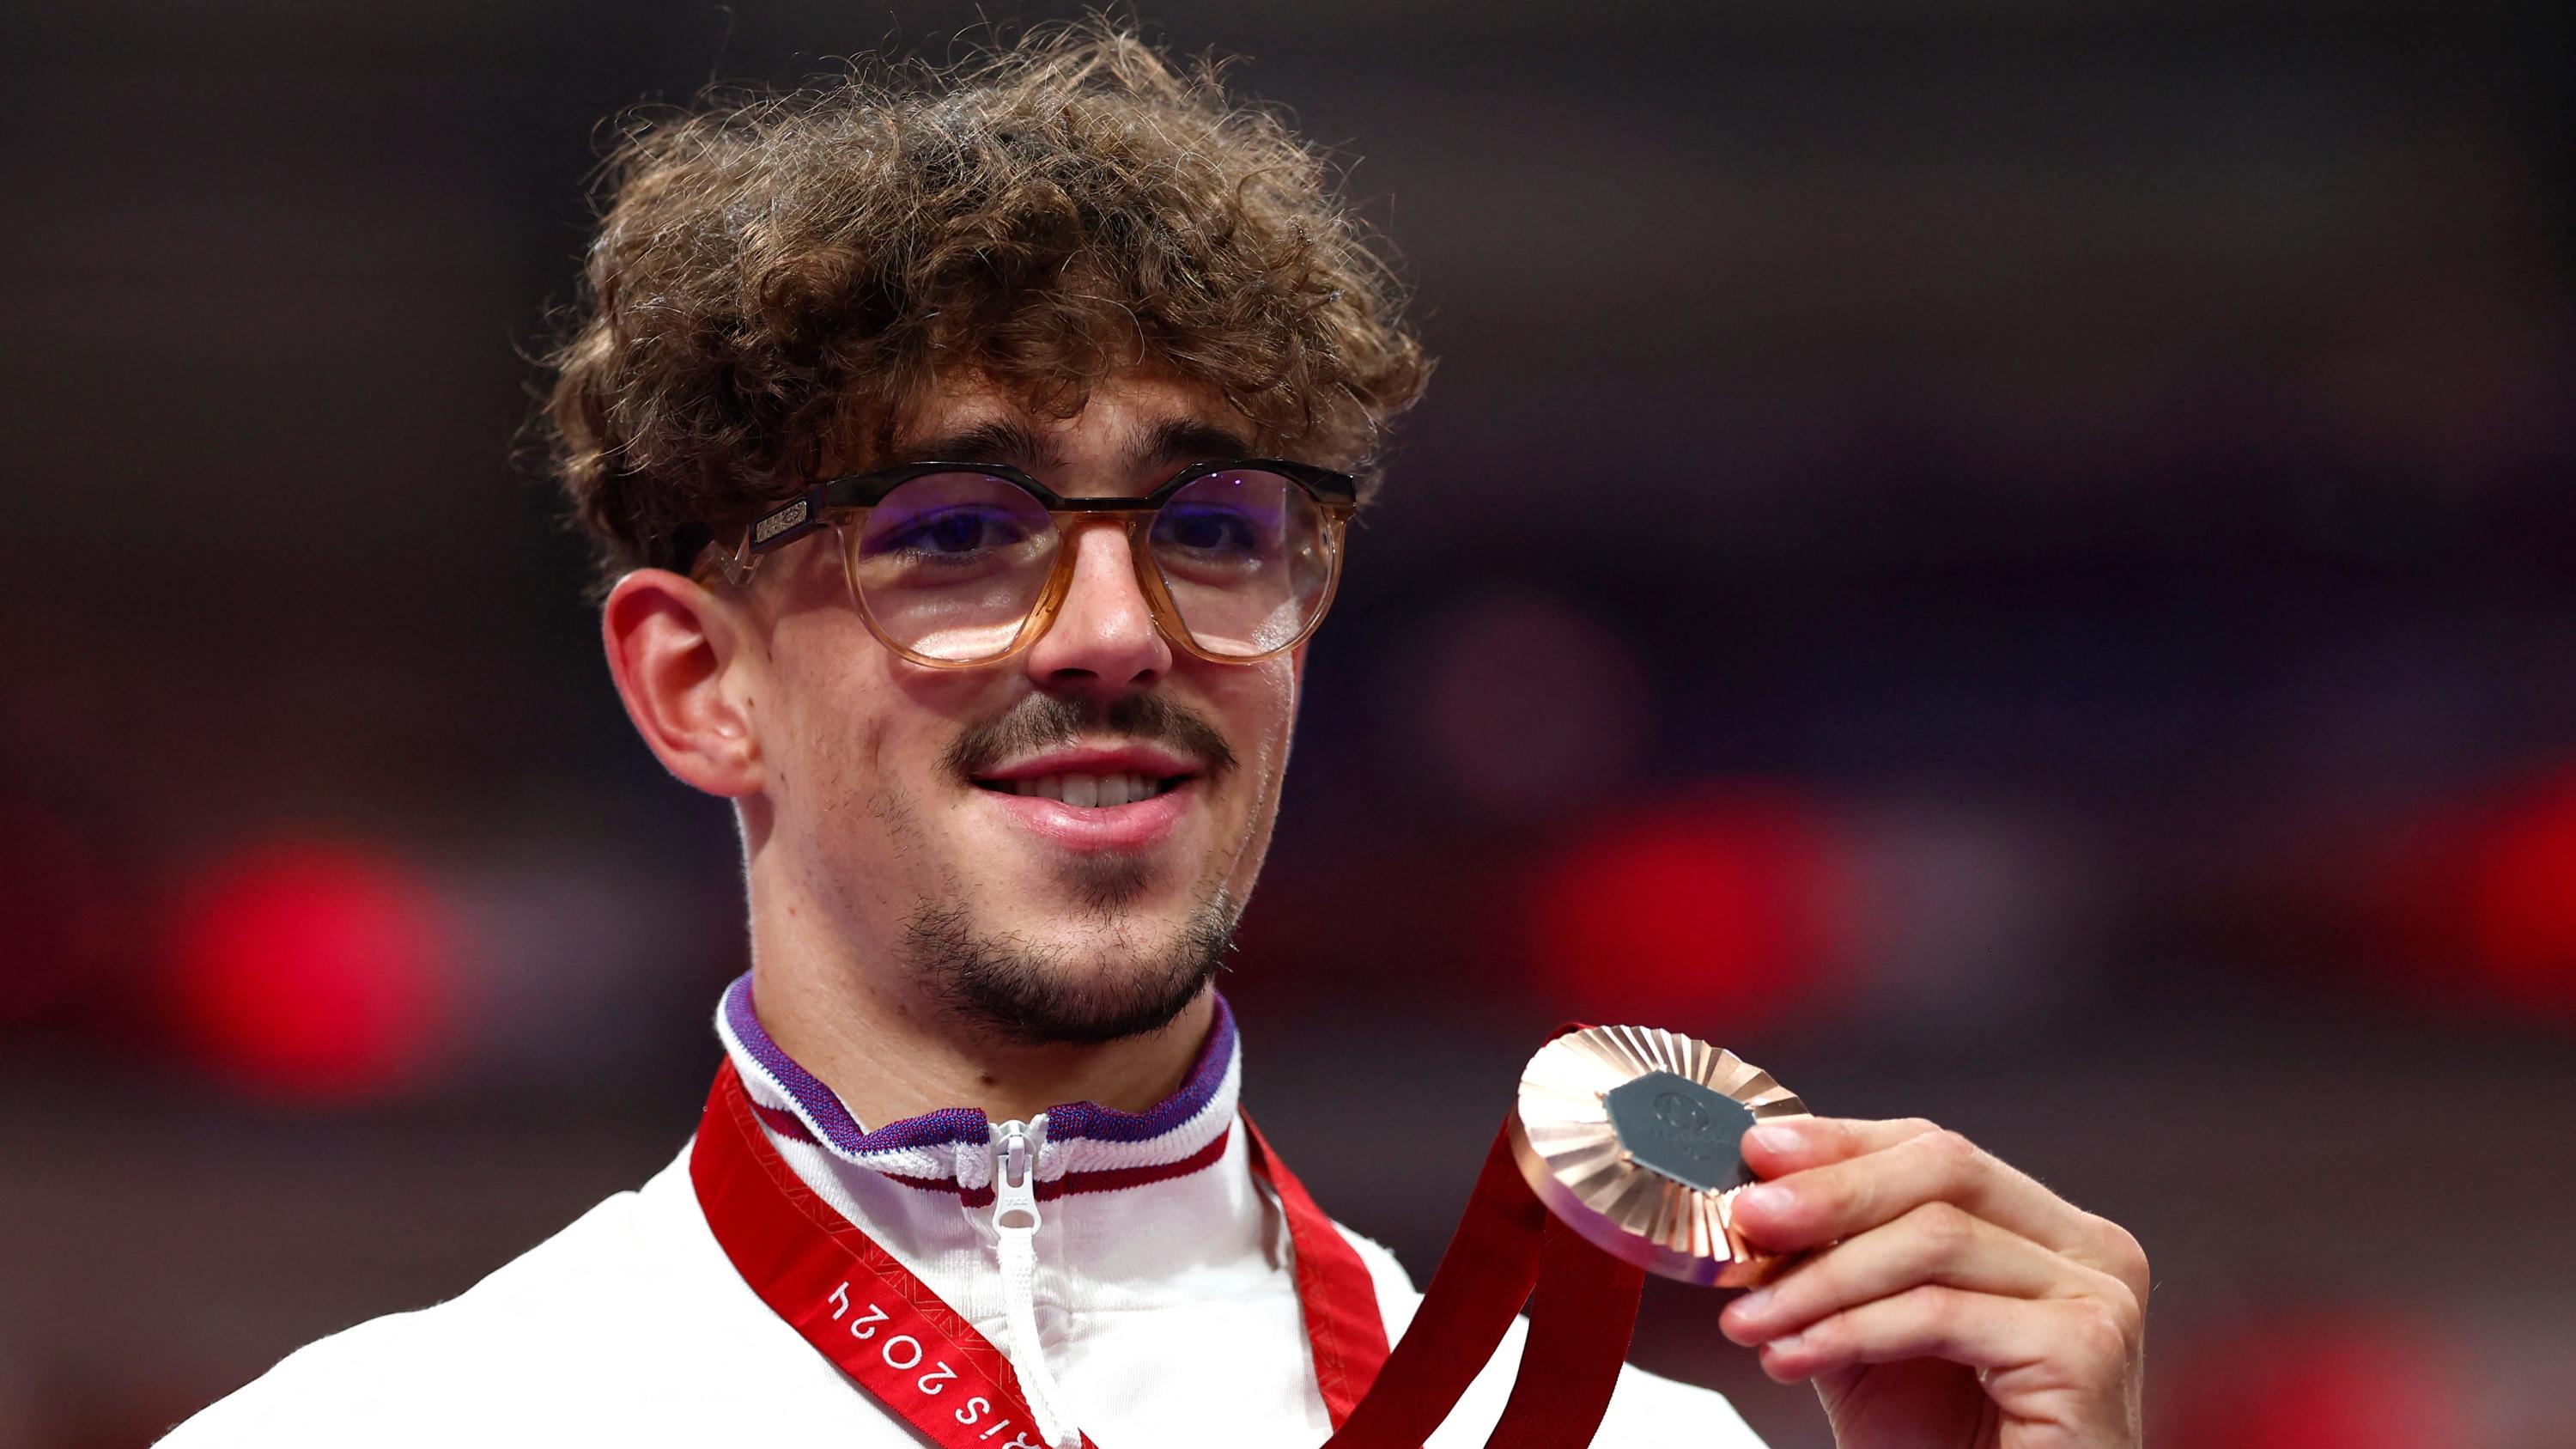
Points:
x=1083, y=976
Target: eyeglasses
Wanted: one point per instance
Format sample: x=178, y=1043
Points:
x=958, y=564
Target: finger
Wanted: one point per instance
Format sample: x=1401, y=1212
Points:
x=1789, y=1144
x=2026, y=1346
x=1935, y=1243
x=1815, y=1206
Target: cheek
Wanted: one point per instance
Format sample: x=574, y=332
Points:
x=1262, y=723
x=834, y=718
x=866, y=736
x=1260, y=719
x=1283, y=694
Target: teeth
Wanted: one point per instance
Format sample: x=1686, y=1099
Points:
x=1089, y=791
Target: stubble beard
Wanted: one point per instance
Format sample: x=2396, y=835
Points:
x=1055, y=994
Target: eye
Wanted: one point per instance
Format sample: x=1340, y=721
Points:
x=1210, y=528
x=953, y=532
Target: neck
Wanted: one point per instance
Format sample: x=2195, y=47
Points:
x=888, y=1063
x=889, y=1055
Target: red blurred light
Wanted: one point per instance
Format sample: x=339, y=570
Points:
x=1715, y=906
x=2311, y=1384
x=2476, y=901
x=320, y=972
x=2522, y=907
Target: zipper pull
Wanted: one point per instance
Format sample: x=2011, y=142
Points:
x=1015, y=1187
x=1015, y=1226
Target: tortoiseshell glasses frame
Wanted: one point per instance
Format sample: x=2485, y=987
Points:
x=958, y=565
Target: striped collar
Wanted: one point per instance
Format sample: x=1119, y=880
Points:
x=1087, y=1147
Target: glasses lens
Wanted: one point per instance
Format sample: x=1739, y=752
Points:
x=950, y=564
x=1243, y=555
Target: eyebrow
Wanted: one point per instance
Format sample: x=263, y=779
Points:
x=1174, y=440
x=1004, y=441
x=997, y=440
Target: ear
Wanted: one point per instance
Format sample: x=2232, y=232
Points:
x=678, y=654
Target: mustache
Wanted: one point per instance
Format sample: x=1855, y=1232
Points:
x=1046, y=721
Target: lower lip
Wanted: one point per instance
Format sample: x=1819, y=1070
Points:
x=1132, y=826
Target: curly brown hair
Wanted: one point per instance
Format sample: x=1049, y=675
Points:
x=776, y=280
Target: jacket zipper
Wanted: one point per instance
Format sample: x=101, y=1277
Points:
x=1015, y=1227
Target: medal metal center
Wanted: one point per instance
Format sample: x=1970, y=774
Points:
x=1676, y=1127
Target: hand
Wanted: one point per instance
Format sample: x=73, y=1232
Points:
x=1950, y=1300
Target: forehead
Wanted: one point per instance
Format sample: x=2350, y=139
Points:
x=1128, y=422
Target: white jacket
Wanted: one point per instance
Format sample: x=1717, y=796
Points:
x=1165, y=1302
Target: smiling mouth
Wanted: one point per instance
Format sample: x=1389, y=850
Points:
x=1089, y=791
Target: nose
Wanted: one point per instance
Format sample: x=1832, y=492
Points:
x=1104, y=639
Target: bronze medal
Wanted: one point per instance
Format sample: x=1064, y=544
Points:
x=1632, y=1136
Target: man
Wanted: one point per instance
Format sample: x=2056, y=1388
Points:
x=970, y=458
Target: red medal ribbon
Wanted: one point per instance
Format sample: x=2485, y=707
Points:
x=1581, y=1317
x=1582, y=1313
x=920, y=1358
x=929, y=1366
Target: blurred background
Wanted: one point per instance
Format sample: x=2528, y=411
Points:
x=2011, y=563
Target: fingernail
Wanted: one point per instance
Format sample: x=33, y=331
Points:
x=1752, y=1304
x=1764, y=1197
x=1787, y=1343
x=1777, y=1137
